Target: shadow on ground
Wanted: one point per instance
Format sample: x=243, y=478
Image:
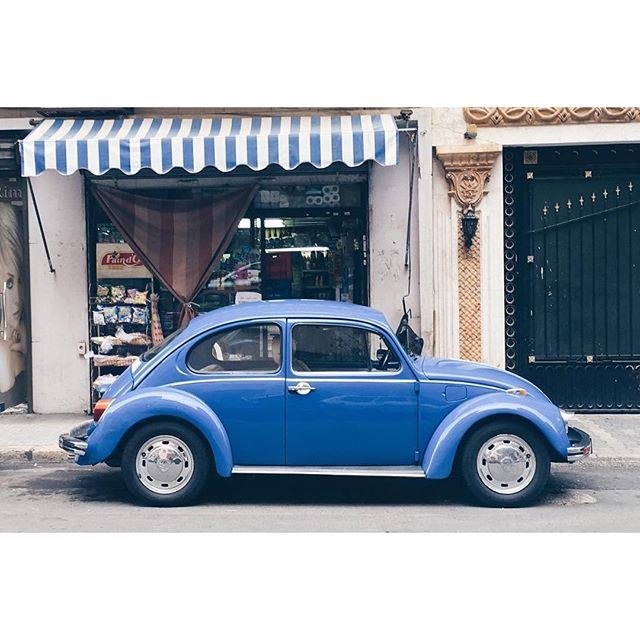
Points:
x=104, y=485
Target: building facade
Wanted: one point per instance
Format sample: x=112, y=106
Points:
x=510, y=232
x=64, y=294
x=552, y=288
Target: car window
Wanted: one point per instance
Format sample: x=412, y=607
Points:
x=317, y=347
x=247, y=349
x=156, y=349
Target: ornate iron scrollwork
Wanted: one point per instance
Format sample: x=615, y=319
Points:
x=509, y=261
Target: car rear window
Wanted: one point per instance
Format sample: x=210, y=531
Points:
x=156, y=349
x=254, y=348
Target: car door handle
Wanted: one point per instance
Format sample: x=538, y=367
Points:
x=302, y=388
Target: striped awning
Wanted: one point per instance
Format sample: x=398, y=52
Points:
x=162, y=144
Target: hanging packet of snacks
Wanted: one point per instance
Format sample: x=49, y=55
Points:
x=123, y=313
x=110, y=315
x=107, y=344
x=102, y=291
x=139, y=315
x=98, y=318
x=136, y=297
x=117, y=293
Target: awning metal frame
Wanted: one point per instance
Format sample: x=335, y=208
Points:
x=39, y=219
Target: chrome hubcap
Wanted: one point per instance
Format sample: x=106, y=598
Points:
x=164, y=464
x=506, y=464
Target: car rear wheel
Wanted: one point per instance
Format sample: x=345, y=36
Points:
x=505, y=464
x=166, y=464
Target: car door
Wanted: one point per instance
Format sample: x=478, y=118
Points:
x=238, y=372
x=343, y=406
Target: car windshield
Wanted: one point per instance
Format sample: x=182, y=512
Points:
x=156, y=349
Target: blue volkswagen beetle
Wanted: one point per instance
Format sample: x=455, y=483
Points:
x=316, y=387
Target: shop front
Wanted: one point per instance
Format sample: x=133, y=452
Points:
x=303, y=235
x=281, y=208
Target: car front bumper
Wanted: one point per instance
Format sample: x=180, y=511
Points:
x=580, y=444
x=75, y=442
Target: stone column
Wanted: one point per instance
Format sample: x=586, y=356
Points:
x=467, y=170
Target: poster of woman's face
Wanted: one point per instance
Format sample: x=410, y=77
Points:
x=12, y=322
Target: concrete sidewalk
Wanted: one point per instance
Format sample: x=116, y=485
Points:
x=30, y=437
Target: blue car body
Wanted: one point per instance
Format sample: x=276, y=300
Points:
x=415, y=415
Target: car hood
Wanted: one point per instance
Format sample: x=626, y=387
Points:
x=475, y=373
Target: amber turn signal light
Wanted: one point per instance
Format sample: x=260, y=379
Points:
x=100, y=407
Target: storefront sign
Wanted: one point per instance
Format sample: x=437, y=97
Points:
x=118, y=260
x=11, y=191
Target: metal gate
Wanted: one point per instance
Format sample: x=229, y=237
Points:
x=572, y=273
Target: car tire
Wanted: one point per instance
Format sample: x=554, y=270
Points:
x=504, y=463
x=166, y=464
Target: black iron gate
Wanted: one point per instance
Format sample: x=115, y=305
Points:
x=572, y=273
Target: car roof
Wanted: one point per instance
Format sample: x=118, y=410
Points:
x=286, y=309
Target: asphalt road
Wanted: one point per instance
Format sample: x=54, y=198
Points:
x=592, y=495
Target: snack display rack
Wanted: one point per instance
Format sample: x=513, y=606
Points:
x=120, y=327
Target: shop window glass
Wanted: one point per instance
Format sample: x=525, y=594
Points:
x=340, y=348
x=252, y=348
x=297, y=241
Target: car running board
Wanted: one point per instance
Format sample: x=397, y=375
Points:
x=409, y=471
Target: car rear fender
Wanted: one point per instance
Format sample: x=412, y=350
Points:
x=157, y=402
x=443, y=445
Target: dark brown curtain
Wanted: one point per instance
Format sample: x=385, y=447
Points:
x=179, y=240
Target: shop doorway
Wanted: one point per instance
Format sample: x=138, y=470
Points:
x=304, y=236
x=572, y=273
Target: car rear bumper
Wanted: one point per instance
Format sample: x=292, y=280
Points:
x=580, y=444
x=75, y=442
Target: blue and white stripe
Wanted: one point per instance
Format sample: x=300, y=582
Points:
x=162, y=144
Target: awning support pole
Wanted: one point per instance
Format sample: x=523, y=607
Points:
x=44, y=239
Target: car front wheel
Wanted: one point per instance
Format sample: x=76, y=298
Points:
x=505, y=464
x=166, y=464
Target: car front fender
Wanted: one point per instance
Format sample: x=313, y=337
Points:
x=443, y=445
x=159, y=402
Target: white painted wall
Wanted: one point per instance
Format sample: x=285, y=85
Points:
x=59, y=300
x=444, y=234
x=388, y=211
x=492, y=270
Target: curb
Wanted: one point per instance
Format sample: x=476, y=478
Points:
x=32, y=454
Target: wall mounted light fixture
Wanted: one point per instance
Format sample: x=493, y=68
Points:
x=469, y=226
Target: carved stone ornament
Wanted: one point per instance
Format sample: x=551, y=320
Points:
x=467, y=170
x=519, y=116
